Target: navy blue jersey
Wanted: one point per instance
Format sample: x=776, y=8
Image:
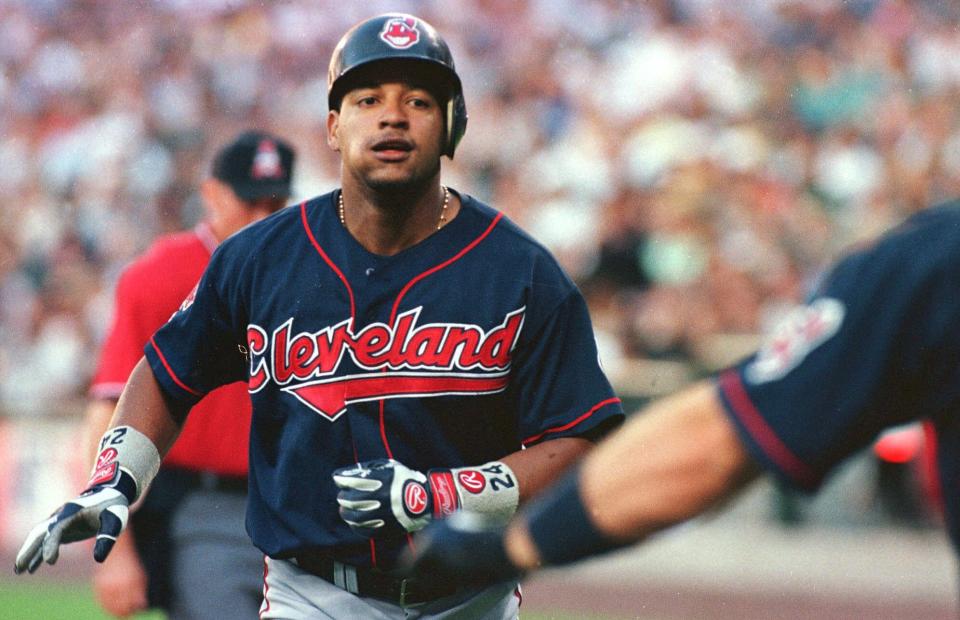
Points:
x=877, y=345
x=456, y=351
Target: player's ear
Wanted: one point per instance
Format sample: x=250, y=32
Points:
x=333, y=129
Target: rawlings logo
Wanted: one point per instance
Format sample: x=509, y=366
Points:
x=472, y=480
x=445, y=500
x=400, y=32
x=414, y=498
x=413, y=360
x=106, y=467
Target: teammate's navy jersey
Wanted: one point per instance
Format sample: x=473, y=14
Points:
x=876, y=346
x=456, y=351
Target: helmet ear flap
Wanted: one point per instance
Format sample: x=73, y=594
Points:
x=456, y=123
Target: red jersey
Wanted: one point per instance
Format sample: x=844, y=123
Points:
x=216, y=433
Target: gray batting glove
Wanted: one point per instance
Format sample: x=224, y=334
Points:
x=101, y=511
x=383, y=497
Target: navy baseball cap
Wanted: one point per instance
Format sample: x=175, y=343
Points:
x=256, y=165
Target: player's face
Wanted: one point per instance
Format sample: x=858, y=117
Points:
x=388, y=134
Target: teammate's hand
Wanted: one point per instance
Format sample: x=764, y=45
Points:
x=466, y=549
x=379, y=497
x=100, y=511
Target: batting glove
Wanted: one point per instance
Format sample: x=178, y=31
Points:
x=100, y=511
x=384, y=496
x=467, y=550
x=378, y=497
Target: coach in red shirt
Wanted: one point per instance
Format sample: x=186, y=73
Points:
x=187, y=550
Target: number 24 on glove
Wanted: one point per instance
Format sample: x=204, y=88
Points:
x=384, y=496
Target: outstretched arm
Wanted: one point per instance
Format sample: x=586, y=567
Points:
x=141, y=431
x=669, y=463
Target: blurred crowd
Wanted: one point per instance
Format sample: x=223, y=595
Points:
x=694, y=164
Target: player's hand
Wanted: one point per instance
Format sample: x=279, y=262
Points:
x=120, y=583
x=383, y=497
x=466, y=549
x=100, y=511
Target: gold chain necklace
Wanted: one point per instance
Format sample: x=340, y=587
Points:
x=443, y=210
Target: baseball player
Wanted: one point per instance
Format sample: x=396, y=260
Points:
x=877, y=346
x=190, y=525
x=409, y=353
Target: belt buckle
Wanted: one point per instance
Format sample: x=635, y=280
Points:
x=403, y=592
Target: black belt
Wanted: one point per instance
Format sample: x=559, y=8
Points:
x=373, y=583
x=208, y=480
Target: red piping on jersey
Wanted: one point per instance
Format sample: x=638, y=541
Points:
x=353, y=315
x=163, y=360
x=405, y=289
x=558, y=429
x=336, y=270
x=748, y=414
x=928, y=456
x=383, y=429
x=393, y=317
x=266, y=588
x=446, y=263
x=373, y=552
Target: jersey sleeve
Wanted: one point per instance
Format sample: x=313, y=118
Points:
x=201, y=347
x=874, y=347
x=560, y=387
x=123, y=346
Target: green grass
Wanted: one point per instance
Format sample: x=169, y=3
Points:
x=54, y=601
x=62, y=601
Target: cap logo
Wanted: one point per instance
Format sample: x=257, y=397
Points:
x=266, y=163
x=400, y=32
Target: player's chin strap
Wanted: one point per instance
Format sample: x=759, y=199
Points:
x=125, y=449
x=490, y=490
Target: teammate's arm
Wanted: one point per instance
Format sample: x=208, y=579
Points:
x=669, y=463
x=692, y=459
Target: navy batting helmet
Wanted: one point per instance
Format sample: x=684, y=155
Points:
x=400, y=37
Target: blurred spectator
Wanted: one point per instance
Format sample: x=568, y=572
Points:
x=693, y=163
